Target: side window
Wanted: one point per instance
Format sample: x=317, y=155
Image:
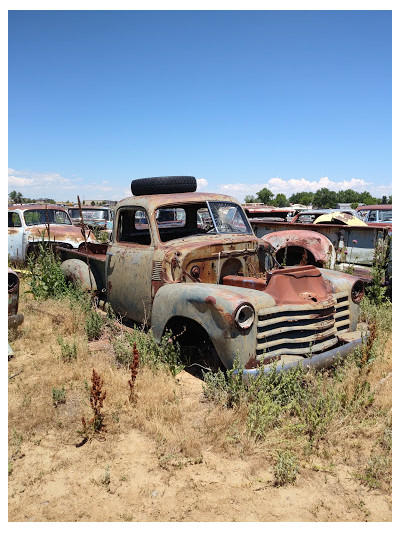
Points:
x=372, y=216
x=174, y=217
x=14, y=220
x=133, y=227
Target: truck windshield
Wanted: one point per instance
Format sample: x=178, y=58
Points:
x=34, y=217
x=228, y=218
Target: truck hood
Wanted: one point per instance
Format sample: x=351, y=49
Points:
x=207, y=258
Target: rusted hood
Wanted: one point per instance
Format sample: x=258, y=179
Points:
x=293, y=285
x=59, y=233
x=211, y=255
x=339, y=218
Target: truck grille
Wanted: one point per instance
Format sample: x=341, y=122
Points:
x=156, y=273
x=301, y=329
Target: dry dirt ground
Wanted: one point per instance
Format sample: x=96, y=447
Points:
x=129, y=475
x=55, y=481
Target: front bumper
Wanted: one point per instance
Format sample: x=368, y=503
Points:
x=318, y=361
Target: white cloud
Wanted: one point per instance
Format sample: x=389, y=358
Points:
x=202, y=184
x=291, y=186
x=15, y=181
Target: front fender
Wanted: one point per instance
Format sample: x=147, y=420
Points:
x=317, y=244
x=213, y=307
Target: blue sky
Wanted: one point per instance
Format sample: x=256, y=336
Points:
x=289, y=100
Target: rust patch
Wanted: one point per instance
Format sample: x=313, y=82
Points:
x=288, y=285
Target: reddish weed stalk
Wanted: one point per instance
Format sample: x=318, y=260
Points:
x=134, y=372
x=97, y=396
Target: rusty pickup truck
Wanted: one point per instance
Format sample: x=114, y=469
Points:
x=213, y=281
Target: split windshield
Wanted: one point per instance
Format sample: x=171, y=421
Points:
x=35, y=217
x=90, y=214
x=184, y=220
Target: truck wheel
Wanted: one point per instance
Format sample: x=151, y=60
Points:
x=163, y=185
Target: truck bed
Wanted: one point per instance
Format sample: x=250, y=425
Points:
x=92, y=252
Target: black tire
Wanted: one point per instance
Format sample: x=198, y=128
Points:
x=163, y=185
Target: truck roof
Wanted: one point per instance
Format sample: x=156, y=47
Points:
x=372, y=207
x=153, y=201
x=24, y=207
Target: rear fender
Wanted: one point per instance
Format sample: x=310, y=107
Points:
x=78, y=273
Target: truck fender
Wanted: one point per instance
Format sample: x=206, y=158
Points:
x=319, y=246
x=78, y=273
x=212, y=307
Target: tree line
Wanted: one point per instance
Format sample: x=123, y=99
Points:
x=17, y=198
x=323, y=199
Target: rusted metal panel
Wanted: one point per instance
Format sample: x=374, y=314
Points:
x=14, y=318
x=352, y=245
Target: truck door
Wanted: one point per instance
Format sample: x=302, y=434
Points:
x=129, y=265
x=15, y=237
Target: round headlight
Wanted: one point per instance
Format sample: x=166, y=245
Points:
x=357, y=291
x=244, y=316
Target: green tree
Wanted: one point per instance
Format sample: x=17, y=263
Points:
x=265, y=196
x=281, y=200
x=384, y=200
x=366, y=198
x=249, y=199
x=93, y=202
x=324, y=198
x=16, y=197
x=304, y=198
x=347, y=197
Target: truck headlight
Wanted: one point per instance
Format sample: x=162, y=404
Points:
x=244, y=316
x=357, y=291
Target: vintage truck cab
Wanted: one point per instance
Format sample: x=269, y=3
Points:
x=216, y=281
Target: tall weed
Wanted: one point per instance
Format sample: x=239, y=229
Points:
x=166, y=354
x=46, y=279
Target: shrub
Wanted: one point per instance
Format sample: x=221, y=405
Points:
x=69, y=352
x=285, y=469
x=58, y=396
x=46, y=277
x=166, y=354
x=382, y=256
x=93, y=325
x=263, y=414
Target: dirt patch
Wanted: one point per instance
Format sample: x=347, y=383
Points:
x=163, y=459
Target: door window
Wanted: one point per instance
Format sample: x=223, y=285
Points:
x=14, y=220
x=133, y=226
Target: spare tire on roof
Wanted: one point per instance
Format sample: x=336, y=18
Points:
x=163, y=185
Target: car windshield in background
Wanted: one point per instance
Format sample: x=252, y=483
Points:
x=34, y=217
x=385, y=215
x=94, y=214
